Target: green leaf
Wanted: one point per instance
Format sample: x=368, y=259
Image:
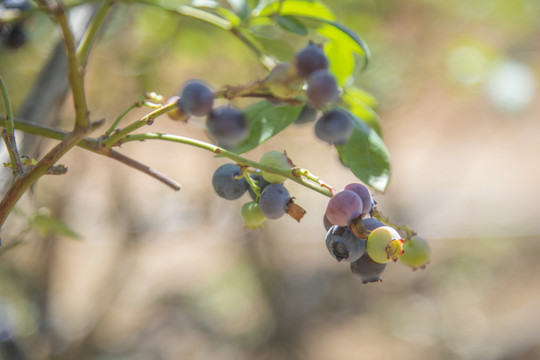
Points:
x=276, y=48
x=366, y=155
x=229, y=16
x=241, y=7
x=266, y=120
x=291, y=24
x=345, y=37
x=298, y=8
x=356, y=99
x=46, y=223
x=341, y=61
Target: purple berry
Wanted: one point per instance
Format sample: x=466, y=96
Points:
x=362, y=191
x=335, y=127
x=321, y=89
x=196, y=99
x=367, y=269
x=273, y=201
x=227, y=126
x=310, y=59
x=343, y=207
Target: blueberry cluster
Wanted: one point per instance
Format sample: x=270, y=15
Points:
x=226, y=125
x=310, y=66
x=13, y=35
x=269, y=197
x=365, y=242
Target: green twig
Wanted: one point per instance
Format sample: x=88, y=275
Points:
x=9, y=134
x=119, y=118
x=288, y=173
x=86, y=43
x=75, y=70
x=146, y=120
x=93, y=144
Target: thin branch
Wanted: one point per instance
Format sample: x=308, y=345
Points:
x=146, y=120
x=75, y=70
x=23, y=183
x=93, y=144
x=8, y=134
x=141, y=167
x=86, y=43
x=288, y=173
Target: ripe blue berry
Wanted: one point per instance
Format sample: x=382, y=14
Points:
x=273, y=201
x=196, y=98
x=228, y=183
x=343, y=244
x=321, y=89
x=310, y=59
x=367, y=269
x=335, y=127
x=371, y=224
x=227, y=126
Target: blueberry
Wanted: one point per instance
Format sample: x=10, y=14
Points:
x=310, y=59
x=343, y=244
x=274, y=200
x=196, y=99
x=367, y=269
x=227, y=182
x=227, y=126
x=335, y=127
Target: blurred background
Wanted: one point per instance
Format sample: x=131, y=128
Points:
x=158, y=274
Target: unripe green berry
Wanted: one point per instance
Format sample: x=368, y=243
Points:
x=252, y=216
x=283, y=81
x=384, y=244
x=278, y=160
x=415, y=253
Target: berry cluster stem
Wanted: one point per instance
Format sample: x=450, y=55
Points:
x=288, y=173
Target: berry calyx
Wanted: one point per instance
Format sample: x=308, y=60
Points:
x=384, y=244
x=416, y=253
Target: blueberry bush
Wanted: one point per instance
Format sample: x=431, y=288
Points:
x=316, y=85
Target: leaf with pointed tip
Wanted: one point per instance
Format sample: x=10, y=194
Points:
x=366, y=155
